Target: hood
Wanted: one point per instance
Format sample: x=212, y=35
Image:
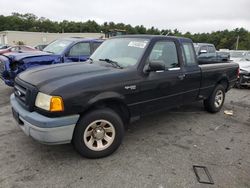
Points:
x=2, y=51
x=16, y=56
x=49, y=78
x=235, y=59
x=244, y=65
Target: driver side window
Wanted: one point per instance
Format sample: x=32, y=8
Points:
x=166, y=52
x=80, y=49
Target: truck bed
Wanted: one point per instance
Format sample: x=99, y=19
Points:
x=214, y=73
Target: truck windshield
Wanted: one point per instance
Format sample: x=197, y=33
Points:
x=57, y=47
x=126, y=52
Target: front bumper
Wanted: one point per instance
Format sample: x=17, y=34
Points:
x=44, y=129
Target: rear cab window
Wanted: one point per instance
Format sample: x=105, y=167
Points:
x=188, y=54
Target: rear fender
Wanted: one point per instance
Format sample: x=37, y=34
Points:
x=224, y=80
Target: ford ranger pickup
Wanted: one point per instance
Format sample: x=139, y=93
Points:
x=127, y=77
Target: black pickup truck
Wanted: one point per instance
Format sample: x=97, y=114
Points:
x=207, y=54
x=127, y=77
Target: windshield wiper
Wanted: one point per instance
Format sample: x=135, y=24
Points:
x=49, y=52
x=90, y=60
x=114, y=63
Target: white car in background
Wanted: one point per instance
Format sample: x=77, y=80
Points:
x=244, y=76
x=237, y=55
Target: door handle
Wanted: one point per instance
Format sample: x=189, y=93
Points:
x=181, y=76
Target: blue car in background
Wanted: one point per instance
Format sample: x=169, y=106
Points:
x=60, y=51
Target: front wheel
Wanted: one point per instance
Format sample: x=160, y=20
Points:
x=98, y=134
x=215, y=102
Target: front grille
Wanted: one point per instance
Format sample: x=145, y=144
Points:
x=20, y=92
x=25, y=94
x=1, y=69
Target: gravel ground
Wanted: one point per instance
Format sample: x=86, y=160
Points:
x=158, y=151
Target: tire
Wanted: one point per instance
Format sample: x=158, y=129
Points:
x=216, y=100
x=98, y=133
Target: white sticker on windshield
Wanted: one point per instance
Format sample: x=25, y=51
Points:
x=137, y=44
x=62, y=45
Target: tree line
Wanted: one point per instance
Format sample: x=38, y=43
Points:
x=225, y=39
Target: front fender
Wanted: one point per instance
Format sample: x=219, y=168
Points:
x=109, y=95
x=106, y=96
x=31, y=62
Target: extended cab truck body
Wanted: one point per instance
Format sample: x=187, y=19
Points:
x=207, y=54
x=127, y=77
x=59, y=51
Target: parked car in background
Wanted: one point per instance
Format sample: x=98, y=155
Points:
x=18, y=48
x=127, y=77
x=40, y=46
x=237, y=55
x=207, y=54
x=244, y=74
x=60, y=51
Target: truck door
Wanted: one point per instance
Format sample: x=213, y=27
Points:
x=79, y=52
x=192, y=79
x=162, y=89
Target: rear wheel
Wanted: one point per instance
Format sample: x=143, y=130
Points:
x=215, y=102
x=98, y=134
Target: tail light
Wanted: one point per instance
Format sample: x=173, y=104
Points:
x=238, y=72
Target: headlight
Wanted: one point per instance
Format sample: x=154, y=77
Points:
x=49, y=103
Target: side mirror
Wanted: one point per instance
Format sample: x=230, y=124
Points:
x=156, y=65
x=203, y=51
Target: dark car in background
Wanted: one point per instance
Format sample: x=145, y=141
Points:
x=59, y=51
x=207, y=54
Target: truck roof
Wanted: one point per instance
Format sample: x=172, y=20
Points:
x=203, y=44
x=156, y=37
x=78, y=39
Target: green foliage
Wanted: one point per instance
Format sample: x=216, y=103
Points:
x=30, y=22
x=20, y=43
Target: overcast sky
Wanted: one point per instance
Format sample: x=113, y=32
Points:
x=185, y=15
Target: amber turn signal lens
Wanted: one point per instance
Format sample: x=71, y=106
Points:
x=56, y=104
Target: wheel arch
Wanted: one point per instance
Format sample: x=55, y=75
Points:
x=224, y=81
x=111, y=100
